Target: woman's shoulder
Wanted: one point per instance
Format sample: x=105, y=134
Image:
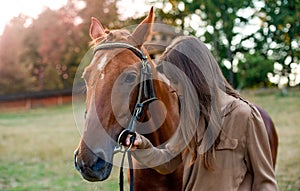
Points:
x=241, y=109
x=238, y=106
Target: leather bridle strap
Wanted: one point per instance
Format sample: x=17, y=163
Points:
x=111, y=45
x=145, y=88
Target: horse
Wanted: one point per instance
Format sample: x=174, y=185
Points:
x=120, y=67
x=272, y=133
x=112, y=89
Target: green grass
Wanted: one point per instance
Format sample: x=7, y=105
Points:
x=36, y=152
x=36, y=147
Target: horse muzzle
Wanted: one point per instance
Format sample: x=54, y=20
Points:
x=93, y=170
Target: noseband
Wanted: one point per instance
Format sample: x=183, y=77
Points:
x=145, y=88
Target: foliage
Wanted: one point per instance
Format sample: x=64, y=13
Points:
x=279, y=39
x=253, y=71
x=224, y=17
x=105, y=10
x=225, y=26
x=15, y=76
x=218, y=21
x=46, y=53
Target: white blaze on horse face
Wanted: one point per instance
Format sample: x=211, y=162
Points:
x=101, y=66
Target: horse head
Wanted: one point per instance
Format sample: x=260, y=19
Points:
x=112, y=83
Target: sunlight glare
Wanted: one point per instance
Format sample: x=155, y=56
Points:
x=132, y=8
x=31, y=8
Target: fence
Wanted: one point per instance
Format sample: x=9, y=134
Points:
x=26, y=101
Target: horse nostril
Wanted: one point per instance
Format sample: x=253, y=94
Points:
x=76, y=152
x=75, y=163
x=98, y=165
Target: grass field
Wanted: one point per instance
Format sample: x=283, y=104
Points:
x=36, y=147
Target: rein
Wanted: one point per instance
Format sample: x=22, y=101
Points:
x=145, y=88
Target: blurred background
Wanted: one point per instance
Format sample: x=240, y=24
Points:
x=256, y=43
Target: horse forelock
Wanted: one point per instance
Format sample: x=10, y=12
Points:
x=120, y=35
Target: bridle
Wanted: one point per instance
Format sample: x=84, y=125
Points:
x=146, y=89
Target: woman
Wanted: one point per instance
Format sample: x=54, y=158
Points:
x=221, y=138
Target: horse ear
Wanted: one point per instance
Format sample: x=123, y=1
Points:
x=144, y=29
x=96, y=29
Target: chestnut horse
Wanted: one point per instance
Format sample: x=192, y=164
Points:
x=112, y=81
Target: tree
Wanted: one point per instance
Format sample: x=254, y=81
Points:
x=218, y=24
x=46, y=53
x=72, y=52
x=31, y=58
x=15, y=76
x=105, y=11
x=52, y=48
x=223, y=17
x=253, y=71
x=279, y=38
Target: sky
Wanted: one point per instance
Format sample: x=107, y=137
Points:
x=32, y=8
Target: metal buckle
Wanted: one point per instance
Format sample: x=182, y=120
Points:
x=121, y=138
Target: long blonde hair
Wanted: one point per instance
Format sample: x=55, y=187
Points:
x=202, y=80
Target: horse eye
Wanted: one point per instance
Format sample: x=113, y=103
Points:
x=130, y=78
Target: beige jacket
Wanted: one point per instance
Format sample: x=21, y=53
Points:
x=242, y=159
